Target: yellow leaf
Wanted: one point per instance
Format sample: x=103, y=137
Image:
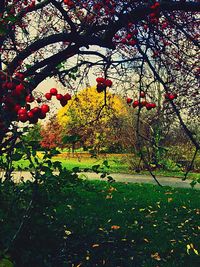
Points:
x=156, y=256
x=188, y=248
x=146, y=240
x=95, y=245
x=170, y=199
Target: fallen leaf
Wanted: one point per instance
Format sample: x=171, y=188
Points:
x=156, y=256
x=168, y=193
x=95, y=245
x=115, y=227
x=109, y=197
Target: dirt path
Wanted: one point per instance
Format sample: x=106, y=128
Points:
x=122, y=177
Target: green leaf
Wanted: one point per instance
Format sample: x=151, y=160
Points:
x=17, y=156
x=6, y=263
x=95, y=168
x=110, y=179
x=11, y=18
x=3, y=30
x=57, y=165
x=103, y=175
x=105, y=163
x=76, y=169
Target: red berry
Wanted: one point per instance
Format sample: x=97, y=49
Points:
x=143, y=103
x=44, y=108
x=63, y=102
x=67, y=96
x=129, y=36
x=100, y=80
x=10, y=85
x=53, y=91
x=170, y=96
x=30, y=99
x=48, y=96
x=135, y=103
x=153, y=105
x=59, y=96
x=101, y=87
x=31, y=114
x=132, y=42
x=20, y=87
x=36, y=110
x=41, y=115
x=148, y=106
x=108, y=83
x=23, y=117
x=19, y=75
x=17, y=107
x=129, y=100
x=22, y=111
x=142, y=94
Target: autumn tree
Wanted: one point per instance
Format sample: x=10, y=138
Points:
x=95, y=121
x=51, y=134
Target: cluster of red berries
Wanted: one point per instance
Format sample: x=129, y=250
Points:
x=102, y=83
x=140, y=104
x=15, y=99
x=69, y=3
x=62, y=98
x=32, y=115
x=154, y=16
x=170, y=96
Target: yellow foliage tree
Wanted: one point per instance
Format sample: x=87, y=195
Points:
x=95, y=117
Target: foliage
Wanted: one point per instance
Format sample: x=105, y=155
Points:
x=148, y=44
x=51, y=134
x=33, y=134
x=96, y=123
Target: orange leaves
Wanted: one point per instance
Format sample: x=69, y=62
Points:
x=111, y=189
x=115, y=227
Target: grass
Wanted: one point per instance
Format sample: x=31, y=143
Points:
x=116, y=225
x=117, y=165
x=178, y=174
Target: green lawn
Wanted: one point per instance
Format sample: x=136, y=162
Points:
x=100, y=224
x=117, y=165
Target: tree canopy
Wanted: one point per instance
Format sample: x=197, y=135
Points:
x=145, y=43
x=96, y=122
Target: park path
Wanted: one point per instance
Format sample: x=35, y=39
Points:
x=123, y=177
